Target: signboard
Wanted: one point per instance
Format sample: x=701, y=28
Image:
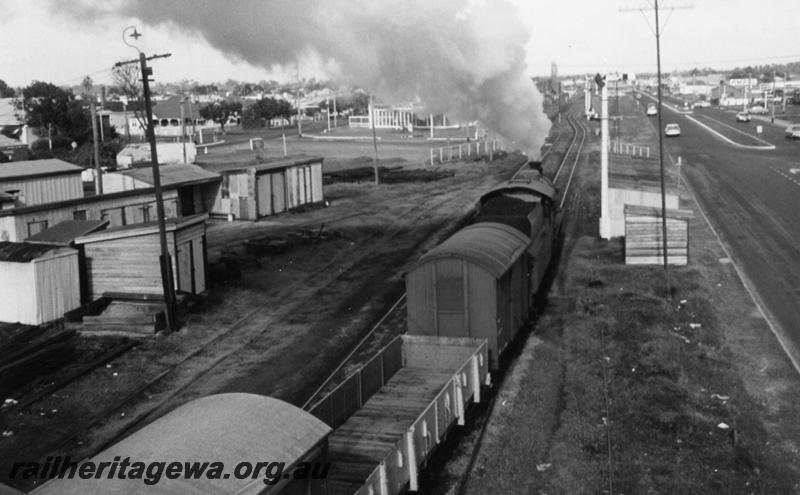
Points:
x=743, y=82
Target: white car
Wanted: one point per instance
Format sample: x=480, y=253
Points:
x=793, y=131
x=672, y=130
x=701, y=104
x=651, y=110
x=742, y=117
x=758, y=110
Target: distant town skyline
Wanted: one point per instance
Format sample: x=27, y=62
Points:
x=579, y=36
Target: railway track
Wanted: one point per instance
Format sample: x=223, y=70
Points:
x=200, y=359
x=570, y=159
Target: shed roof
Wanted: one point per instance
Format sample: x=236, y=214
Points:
x=137, y=229
x=24, y=252
x=494, y=246
x=263, y=166
x=227, y=428
x=173, y=175
x=67, y=231
x=36, y=168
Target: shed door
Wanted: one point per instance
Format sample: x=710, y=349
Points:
x=450, y=296
x=278, y=192
x=184, y=263
x=264, y=195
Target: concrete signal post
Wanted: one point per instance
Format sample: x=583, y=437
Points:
x=605, y=219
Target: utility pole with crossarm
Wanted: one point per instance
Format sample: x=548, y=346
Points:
x=165, y=261
x=661, y=134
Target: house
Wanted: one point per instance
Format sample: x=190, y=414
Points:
x=167, y=119
x=40, y=282
x=138, y=153
x=126, y=259
x=252, y=191
x=34, y=182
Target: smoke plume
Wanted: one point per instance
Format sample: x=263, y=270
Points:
x=465, y=59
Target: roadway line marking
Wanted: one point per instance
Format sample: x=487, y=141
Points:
x=740, y=131
x=729, y=141
x=785, y=176
x=748, y=286
x=769, y=146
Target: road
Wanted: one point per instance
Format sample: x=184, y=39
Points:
x=752, y=197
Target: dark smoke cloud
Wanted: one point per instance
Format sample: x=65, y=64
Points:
x=465, y=59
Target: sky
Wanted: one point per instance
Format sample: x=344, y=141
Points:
x=581, y=36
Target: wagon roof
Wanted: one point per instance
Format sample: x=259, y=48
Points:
x=539, y=187
x=494, y=246
x=227, y=428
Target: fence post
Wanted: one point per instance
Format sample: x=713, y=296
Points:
x=431, y=157
x=459, y=152
x=441, y=155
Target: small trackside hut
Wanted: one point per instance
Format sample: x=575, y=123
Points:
x=39, y=282
x=125, y=260
x=250, y=192
x=474, y=284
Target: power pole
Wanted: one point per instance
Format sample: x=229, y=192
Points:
x=165, y=259
x=98, y=178
x=183, y=127
x=661, y=137
x=374, y=138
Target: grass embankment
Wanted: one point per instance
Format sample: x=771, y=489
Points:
x=622, y=390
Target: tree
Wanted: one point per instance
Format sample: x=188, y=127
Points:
x=220, y=111
x=267, y=109
x=48, y=106
x=6, y=91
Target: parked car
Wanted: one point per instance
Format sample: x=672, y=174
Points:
x=651, y=109
x=757, y=110
x=742, y=117
x=672, y=130
x=793, y=131
x=701, y=104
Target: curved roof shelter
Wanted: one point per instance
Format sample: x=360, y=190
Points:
x=229, y=428
x=494, y=246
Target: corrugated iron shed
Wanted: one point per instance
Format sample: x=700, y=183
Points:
x=23, y=252
x=172, y=175
x=36, y=168
x=226, y=428
x=263, y=165
x=492, y=245
x=66, y=232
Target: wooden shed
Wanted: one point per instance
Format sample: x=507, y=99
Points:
x=644, y=240
x=126, y=259
x=474, y=284
x=35, y=182
x=257, y=190
x=229, y=429
x=38, y=283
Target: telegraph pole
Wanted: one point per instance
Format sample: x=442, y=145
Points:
x=661, y=141
x=165, y=259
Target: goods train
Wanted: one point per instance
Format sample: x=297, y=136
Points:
x=466, y=300
x=481, y=281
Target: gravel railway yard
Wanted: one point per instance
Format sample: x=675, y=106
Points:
x=275, y=322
